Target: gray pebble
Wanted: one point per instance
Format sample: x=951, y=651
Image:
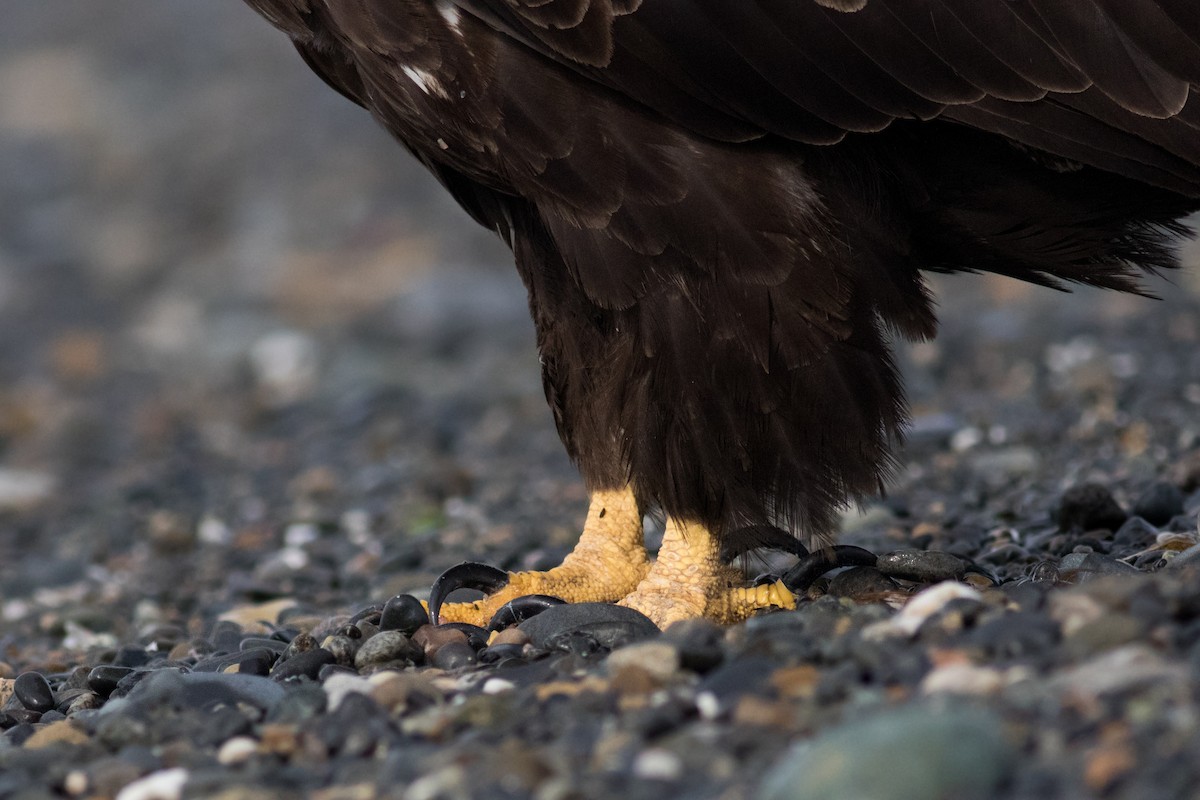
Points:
x=897, y=755
x=609, y=626
x=455, y=655
x=343, y=649
x=925, y=566
x=861, y=583
x=387, y=648
x=1159, y=504
x=307, y=664
x=1089, y=507
x=1083, y=567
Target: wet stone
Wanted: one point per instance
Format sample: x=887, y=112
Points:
x=262, y=643
x=454, y=655
x=104, y=679
x=300, y=703
x=959, y=753
x=608, y=626
x=403, y=613
x=1016, y=635
x=256, y=662
x=200, y=690
x=861, y=583
x=501, y=654
x=306, y=664
x=698, y=644
x=1084, y=567
x=34, y=692
x=301, y=643
x=343, y=648
x=924, y=566
x=1159, y=504
x=1089, y=507
x=132, y=656
x=1135, y=534
x=388, y=649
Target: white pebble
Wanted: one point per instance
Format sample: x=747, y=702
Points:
x=657, y=764
x=237, y=750
x=76, y=782
x=166, y=784
x=921, y=607
x=498, y=686
x=339, y=686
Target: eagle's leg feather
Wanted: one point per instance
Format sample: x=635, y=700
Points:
x=607, y=564
x=689, y=580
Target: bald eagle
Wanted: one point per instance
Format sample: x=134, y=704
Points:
x=722, y=210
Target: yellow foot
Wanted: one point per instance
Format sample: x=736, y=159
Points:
x=607, y=564
x=688, y=580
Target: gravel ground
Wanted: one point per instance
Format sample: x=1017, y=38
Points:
x=259, y=377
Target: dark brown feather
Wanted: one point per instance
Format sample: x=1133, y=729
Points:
x=722, y=208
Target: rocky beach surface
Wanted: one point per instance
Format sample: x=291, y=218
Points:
x=261, y=383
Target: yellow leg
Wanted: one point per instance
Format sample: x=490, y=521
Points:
x=688, y=580
x=607, y=564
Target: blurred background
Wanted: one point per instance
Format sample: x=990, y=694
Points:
x=246, y=343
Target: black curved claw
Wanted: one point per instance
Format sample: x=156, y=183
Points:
x=467, y=575
x=738, y=542
x=520, y=609
x=818, y=562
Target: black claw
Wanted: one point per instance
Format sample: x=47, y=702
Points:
x=520, y=609
x=818, y=562
x=738, y=542
x=468, y=575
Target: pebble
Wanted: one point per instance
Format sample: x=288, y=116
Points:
x=454, y=656
x=924, y=566
x=303, y=665
x=658, y=660
x=104, y=679
x=608, y=626
x=1089, y=507
x=389, y=648
x=431, y=638
x=865, y=584
x=921, y=607
x=403, y=613
x=1159, y=504
x=34, y=692
x=165, y=784
x=56, y=733
x=897, y=755
x=237, y=750
x=1084, y=567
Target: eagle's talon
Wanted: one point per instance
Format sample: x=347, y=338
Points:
x=468, y=575
x=822, y=560
x=520, y=609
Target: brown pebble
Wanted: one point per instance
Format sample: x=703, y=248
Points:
x=279, y=739
x=396, y=690
x=512, y=635
x=62, y=732
x=763, y=713
x=251, y=617
x=431, y=638
x=1109, y=760
x=799, y=681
